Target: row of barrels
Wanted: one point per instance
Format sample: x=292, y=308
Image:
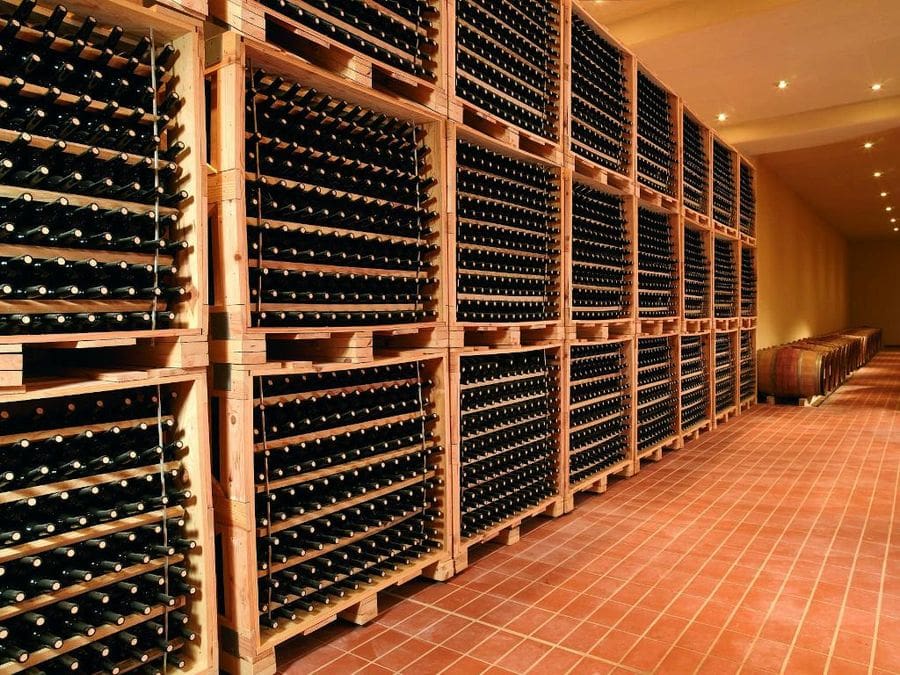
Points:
x=815, y=366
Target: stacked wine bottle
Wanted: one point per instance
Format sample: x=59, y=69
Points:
x=694, y=380
x=748, y=282
x=508, y=238
x=599, y=408
x=656, y=144
x=349, y=483
x=657, y=391
x=602, y=253
x=696, y=274
x=398, y=33
x=96, y=558
x=89, y=197
x=726, y=280
x=507, y=61
x=341, y=219
x=657, y=266
x=725, y=371
x=748, y=201
x=748, y=366
x=601, y=107
x=695, y=161
x=509, y=433
x=724, y=188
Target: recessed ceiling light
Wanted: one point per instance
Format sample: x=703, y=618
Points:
x=782, y=84
x=722, y=117
x=868, y=145
x=877, y=174
x=876, y=86
x=884, y=194
x=896, y=229
x=888, y=208
x=893, y=220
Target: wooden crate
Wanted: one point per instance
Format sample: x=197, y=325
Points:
x=702, y=218
x=576, y=161
x=512, y=334
x=189, y=323
x=196, y=8
x=703, y=323
x=247, y=646
x=595, y=483
x=665, y=325
x=501, y=130
x=748, y=238
x=724, y=323
x=284, y=33
x=235, y=338
x=673, y=441
x=607, y=328
x=509, y=530
x=725, y=413
x=648, y=193
x=189, y=425
x=691, y=430
x=747, y=367
x=730, y=229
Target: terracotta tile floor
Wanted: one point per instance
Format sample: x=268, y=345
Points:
x=769, y=545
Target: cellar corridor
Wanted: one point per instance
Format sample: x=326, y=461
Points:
x=763, y=546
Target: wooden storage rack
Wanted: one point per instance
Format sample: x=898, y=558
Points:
x=596, y=483
x=728, y=370
x=258, y=20
x=673, y=441
x=747, y=202
x=668, y=325
x=701, y=218
x=723, y=323
x=508, y=531
x=181, y=344
x=702, y=323
x=189, y=425
x=687, y=430
x=247, y=646
x=512, y=334
x=602, y=329
x=731, y=228
x=747, y=369
x=234, y=338
x=622, y=181
x=647, y=193
x=503, y=131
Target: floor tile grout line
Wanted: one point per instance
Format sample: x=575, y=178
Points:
x=821, y=513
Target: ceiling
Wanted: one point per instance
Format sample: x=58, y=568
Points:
x=727, y=56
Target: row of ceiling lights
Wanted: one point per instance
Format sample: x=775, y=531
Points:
x=868, y=145
x=784, y=84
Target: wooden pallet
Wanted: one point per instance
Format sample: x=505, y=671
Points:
x=747, y=240
x=695, y=218
x=187, y=126
x=233, y=329
x=727, y=230
x=599, y=331
x=161, y=349
x=195, y=8
x=748, y=403
x=506, y=533
x=465, y=333
x=598, y=483
x=655, y=453
x=280, y=32
x=500, y=130
x=657, y=327
x=248, y=646
x=695, y=326
x=693, y=433
x=190, y=414
x=650, y=197
x=748, y=322
x=726, y=415
x=598, y=175
x=727, y=325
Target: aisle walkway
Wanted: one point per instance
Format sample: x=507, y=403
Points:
x=769, y=545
